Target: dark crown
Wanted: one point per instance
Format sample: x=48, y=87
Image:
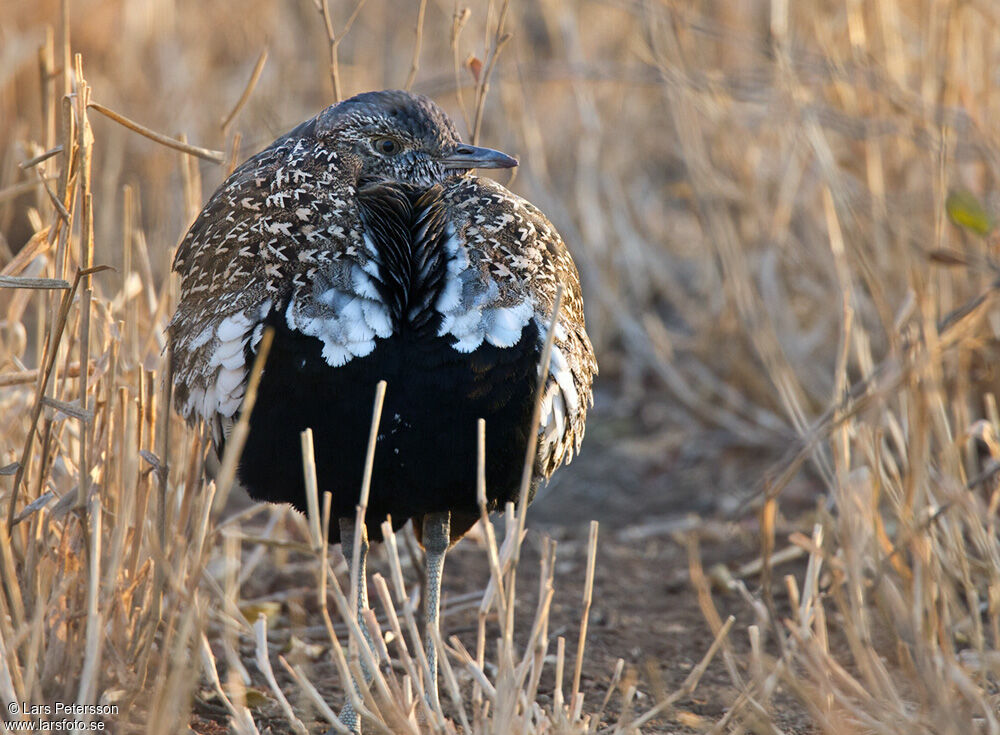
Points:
x=397, y=136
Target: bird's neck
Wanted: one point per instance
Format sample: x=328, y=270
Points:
x=406, y=231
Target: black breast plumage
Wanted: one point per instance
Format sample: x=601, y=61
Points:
x=407, y=227
x=372, y=265
x=425, y=458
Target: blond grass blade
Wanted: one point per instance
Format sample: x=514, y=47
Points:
x=395, y=566
x=315, y=697
x=365, y=653
x=312, y=493
x=452, y=683
x=477, y=673
x=691, y=682
x=334, y=39
x=534, y=642
x=35, y=160
x=810, y=586
x=558, y=698
x=57, y=284
x=50, y=355
x=11, y=585
x=528, y=469
x=336, y=650
x=385, y=597
x=263, y=659
x=546, y=589
x=242, y=720
x=205, y=153
x=408, y=605
x=418, y=39
x=616, y=677
x=7, y=689
x=258, y=69
x=494, y=590
x=381, y=652
x=536, y=414
x=366, y=481
x=491, y=550
x=87, y=692
x=588, y=593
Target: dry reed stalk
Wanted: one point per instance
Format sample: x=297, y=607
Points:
x=334, y=40
x=366, y=481
x=264, y=664
x=588, y=593
x=33, y=283
x=44, y=375
x=312, y=492
x=418, y=34
x=529, y=461
x=205, y=153
x=817, y=156
x=258, y=69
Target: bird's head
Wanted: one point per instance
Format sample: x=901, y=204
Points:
x=399, y=136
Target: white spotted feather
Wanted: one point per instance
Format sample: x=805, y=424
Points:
x=284, y=233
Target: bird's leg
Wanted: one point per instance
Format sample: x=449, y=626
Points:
x=348, y=531
x=437, y=536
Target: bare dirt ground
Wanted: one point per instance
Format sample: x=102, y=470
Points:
x=650, y=493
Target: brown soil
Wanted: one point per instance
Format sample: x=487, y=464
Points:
x=649, y=494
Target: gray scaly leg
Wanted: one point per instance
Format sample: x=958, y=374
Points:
x=348, y=528
x=437, y=532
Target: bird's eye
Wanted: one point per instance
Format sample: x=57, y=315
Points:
x=386, y=146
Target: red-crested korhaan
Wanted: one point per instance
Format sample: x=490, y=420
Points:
x=363, y=238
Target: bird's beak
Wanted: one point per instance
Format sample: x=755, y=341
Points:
x=470, y=156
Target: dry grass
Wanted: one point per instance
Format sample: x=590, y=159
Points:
x=756, y=196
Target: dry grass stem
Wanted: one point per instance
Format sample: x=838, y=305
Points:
x=784, y=215
x=258, y=69
x=207, y=154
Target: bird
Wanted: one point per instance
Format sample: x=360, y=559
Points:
x=364, y=239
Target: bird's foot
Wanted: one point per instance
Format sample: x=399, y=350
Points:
x=349, y=719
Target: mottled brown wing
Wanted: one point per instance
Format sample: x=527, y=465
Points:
x=277, y=220
x=513, y=262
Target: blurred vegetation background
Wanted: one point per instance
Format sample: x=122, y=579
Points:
x=709, y=163
x=698, y=157
x=783, y=217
